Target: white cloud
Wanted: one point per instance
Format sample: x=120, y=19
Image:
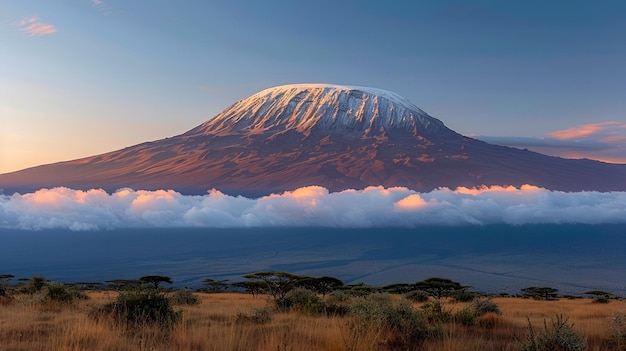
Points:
x=310, y=206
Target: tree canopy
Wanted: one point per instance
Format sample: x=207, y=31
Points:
x=439, y=287
x=321, y=285
x=277, y=284
x=155, y=280
x=541, y=292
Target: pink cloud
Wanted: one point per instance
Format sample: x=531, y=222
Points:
x=33, y=27
x=584, y=131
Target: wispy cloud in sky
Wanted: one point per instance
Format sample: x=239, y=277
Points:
x=308, y=206
x=34, y=27
x=605, y=141
x=597, y=130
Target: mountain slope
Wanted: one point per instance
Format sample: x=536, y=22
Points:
x=311, y=134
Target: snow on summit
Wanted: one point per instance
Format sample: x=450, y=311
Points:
x=305, y=107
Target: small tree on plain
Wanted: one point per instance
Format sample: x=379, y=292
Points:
x=253, y=287
x=322, y=285
x=399, y=288
x=155, y=280
x=124, y=284
x=541, y=292
x=439, y=287
x=278, y=284
x=215, y=286
x=600, y=296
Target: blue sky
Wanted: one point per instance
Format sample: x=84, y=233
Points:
x=82, y=77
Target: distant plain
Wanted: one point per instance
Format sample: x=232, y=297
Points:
x=495, y=258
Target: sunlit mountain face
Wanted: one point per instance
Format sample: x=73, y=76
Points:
x=338, y=137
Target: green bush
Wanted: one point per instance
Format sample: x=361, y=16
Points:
x=302, y=300
x=618, y=330
x=143, y=307
x=338, y=297
x=466, y=317
x=185, y=297
x=601, y=299
x=559, y=335
x=402, y=324
x=435, y=312
x=59, y=292
x=483, y=306
x=463, y=296
x=35, y=284
x=418, y=296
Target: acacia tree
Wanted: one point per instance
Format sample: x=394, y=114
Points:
x=253, y=287
x=215, y=286
x=541, y=292
x=321, y=285
x=278, y=284
x=439, y=287
x=155, y=280
x=399, y=288
x=123, y=284
x=600, y=296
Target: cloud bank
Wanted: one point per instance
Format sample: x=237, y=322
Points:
x=309, y=206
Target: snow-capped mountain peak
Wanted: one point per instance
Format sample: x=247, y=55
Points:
x=325, y=107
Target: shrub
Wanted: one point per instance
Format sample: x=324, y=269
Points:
x=558, y=336
x=302, y=300
x=465, y=316
x=463, y=296
x=618, y=330
x=402, y=325
x=484, y=306
x=436, y=312
x=144, y=307
x=418, y=296
x=36, y=284
x=60, y=293
x=185, y=297
x=600, y=296
x=338, y=297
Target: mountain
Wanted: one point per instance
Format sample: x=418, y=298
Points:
x=338, y=137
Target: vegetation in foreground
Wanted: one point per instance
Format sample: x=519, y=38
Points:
x=282, y=311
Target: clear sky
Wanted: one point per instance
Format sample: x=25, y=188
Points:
x=82, y=77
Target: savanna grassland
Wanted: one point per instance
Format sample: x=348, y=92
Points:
x=238, y=321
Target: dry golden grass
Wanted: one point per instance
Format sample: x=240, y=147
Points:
x=213, y=325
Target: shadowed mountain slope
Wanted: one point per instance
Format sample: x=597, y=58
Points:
x=312, y=134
